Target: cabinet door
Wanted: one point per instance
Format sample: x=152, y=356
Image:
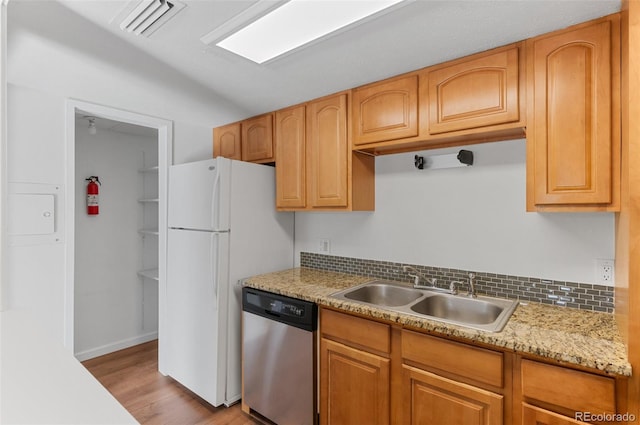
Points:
x=354, y=386
x=257, y=139
x=226, y=141
x=571, y=134
x=478, y=92
x=385, y=111
x=534, y=416
x=290, y=151
x=327, y=152
x=430, y=399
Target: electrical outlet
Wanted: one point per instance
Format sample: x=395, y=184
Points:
x=324, y=245
x=605, y=272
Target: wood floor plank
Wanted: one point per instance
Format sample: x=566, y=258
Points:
x=132, y=376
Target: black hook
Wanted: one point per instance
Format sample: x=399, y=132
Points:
x=465, y=157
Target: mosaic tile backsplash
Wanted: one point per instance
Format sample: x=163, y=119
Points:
x=565, y=294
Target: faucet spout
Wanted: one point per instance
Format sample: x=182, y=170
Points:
x=416, y=275
x=472, y=285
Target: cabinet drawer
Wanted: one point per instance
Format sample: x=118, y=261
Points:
x=354, y=330
x=475, y=363
x=572, y=389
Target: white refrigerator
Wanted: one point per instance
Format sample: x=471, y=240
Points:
x=223, y=226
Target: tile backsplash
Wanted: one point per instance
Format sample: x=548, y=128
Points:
x=584, y=296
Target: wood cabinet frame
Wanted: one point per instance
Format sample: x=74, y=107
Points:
x=501, y=384
x=573, y=151
x=352, y=185
x=481, y=132
x=227, y=141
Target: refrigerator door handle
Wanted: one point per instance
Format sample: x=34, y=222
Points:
x=215, y=205
x=214, y=267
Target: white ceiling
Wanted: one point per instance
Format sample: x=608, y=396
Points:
x=421, y=33
x=105, y=124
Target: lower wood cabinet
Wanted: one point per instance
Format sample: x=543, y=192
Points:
x=374, y=372
x=354, y=386
x=555, y=395
x=532, y=415
x=429, y=399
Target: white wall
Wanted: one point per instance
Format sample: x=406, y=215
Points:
x=470, y=218
x=3, y=153
x=52, y=56
x=111, y=301
x=36, y=154
x=48, y=62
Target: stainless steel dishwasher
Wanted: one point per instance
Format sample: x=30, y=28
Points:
x=279, y=357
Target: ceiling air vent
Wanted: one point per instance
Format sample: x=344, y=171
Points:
x=149, y=15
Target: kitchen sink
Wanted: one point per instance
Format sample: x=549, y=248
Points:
x=483, y=313
x=384, y=293
x=459, y=309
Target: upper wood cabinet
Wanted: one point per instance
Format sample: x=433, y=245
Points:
x=475, y=99
x=328, y=152
x=249, y=140
x=257, y=139
x=479, y=91
x=291, y=175
x=387, y=110
x=573, y=133
x=316, y=168
x=226, y=141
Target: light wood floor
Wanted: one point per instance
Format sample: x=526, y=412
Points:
x=132, y=376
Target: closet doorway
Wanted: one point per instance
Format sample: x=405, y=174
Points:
x=116, y=257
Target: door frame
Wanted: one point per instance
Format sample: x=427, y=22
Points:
x=165, y=159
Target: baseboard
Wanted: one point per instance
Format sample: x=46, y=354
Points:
x=119, y=345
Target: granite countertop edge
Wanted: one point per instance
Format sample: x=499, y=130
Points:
x=578, y=337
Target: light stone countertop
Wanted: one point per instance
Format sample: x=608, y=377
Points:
x=584, y=338
x=43, y=383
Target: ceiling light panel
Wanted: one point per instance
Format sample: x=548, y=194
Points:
x=297, y=23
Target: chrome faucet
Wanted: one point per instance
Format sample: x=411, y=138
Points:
x=472, y=285
x=416, y=275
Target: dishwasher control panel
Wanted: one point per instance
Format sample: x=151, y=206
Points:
x=299, y=313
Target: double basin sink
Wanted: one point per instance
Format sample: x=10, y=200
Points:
x=483, y=313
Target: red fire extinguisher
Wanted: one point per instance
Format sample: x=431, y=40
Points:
x=92, y=195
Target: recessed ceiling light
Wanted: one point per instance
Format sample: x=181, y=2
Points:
x=297, y=23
